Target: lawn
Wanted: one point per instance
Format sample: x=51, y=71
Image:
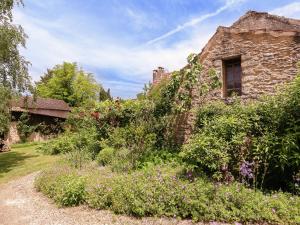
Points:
x=23, y=159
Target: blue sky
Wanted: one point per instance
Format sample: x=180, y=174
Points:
x=122, y=41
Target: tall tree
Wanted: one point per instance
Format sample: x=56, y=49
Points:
x=104, y=95
x=67, y=82
x=5, y=96
x=13, y=66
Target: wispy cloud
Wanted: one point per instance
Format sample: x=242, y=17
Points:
x=122, y=65
x=289, y=10
x=46, y=49
x=195, y=21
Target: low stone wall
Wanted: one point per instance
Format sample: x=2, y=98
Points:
x=13, y=136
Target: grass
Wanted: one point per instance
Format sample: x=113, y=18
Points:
x=23, y=159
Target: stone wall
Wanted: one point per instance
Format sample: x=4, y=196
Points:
x=268, y=59
x=269, y=49
x=13, y=136
x=261, y=20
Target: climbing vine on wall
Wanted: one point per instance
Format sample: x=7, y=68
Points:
x=25, y=129
x=176, y=96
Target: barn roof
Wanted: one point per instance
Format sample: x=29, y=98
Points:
x=41, y=106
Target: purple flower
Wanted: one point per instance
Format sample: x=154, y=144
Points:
x=246, y=170
x=189, y=174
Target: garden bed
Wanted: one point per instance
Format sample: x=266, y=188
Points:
x=163, y=191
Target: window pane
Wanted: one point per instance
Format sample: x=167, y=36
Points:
x=233, y=77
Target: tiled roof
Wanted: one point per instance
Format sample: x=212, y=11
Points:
x=40, y=103
x=41, y=106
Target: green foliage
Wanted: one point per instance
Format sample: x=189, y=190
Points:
x=67, y=82
x=133, y=128
x=175, y=99
x=55, y=127
x=78, y=146
x=130, y=128
x=24, y=127
x=105, y=156
x=13, y=66
x=261, y=138
x=104, y=95
x=176, y=96
x=65, y=189
x=5, y=96
x=131, y=143
x=155, y=91
x=160, y=191
x=206, y=153
x=6, y=8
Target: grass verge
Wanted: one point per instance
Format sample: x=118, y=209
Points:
x=23, y=159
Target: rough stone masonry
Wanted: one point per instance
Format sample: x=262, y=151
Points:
x=252, y=57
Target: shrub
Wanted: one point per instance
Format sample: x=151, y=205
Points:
x=105, y=156
x=163, y=191
x=131, y=143
x=84, y=140
x=66, y=189
x=62, y=144
x=25, y=129
x=257, y=142
x=208, y=153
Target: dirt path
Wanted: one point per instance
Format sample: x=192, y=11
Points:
x=20, y=204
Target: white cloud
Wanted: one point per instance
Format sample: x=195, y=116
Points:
x=45, y=49
x=140, y=19
x=52, y=42
x=291, y=10
x=195, y=21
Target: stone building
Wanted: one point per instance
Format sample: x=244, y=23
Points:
x=254, y=55
x=257, y=53
x=49, y=113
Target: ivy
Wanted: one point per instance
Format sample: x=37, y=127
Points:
x=24, y=127
x=177, y=96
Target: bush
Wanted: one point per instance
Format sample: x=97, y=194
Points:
x=105, y=156
x=131, y=143
x=62, y=144
x=66, y=189
x=25, y=129
x=162, y=191
x=257, y=142
x=207, y=153
x=85, y=140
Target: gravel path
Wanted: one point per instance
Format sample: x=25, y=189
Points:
x=20, y=204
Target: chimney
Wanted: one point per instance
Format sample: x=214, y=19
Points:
x=158, y=74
